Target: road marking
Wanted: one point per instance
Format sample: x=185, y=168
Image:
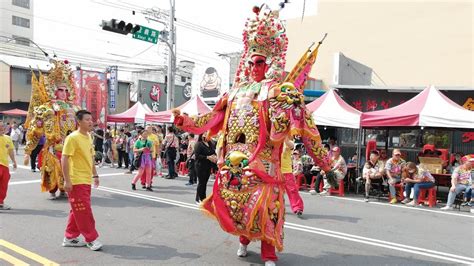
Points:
x=23, y=182
x=423, y=209
x=320, y=231
x=9, y=258
x=151, y=198
x=301, y=192
x=39, y=180
x=27, y=253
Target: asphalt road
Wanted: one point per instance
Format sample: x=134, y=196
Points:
x=166, y=227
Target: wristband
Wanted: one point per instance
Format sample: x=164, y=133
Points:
x=96, y=176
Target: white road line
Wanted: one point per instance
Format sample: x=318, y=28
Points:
x=423, y=209
x=23, y=182
x=334, y=234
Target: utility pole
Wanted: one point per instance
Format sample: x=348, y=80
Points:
x=171, y=59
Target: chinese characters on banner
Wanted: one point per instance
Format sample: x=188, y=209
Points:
x=370, y=105
x=155, y=94
x=113, y=86
x=92, y=91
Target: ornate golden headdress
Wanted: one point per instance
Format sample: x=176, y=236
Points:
x=264, y=35
x=60, y=73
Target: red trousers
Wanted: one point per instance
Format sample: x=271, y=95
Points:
x=81, y=221
x=267, y=251
x=296, y=202
x=4, y=179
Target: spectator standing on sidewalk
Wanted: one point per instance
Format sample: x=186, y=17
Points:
x=171, y=145
x=206, y=158
x=16, y=137
x=191, y=160
x=121, y=143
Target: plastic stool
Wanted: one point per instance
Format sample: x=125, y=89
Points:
x=339, y=191
x=182, y=170
x=431, y=196
x=301, y=182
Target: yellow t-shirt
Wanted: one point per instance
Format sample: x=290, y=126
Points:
x=286, y=165
x=79, y=147
x=6, y=145
x=156, y=142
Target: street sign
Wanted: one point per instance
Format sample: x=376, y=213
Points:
x=147, y=35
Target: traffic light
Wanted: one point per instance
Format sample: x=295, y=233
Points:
x=121, y=26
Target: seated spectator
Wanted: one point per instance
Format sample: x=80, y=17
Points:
x=461, y=180
x=352, y=160
x=373, y=170
x=316, y=171
x=393, y=170
x=416, y=178
x=456, y=161
x=297, y=164
x=338, y=166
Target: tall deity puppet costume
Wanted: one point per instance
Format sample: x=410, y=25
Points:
x=252, y=122
x=51, y=113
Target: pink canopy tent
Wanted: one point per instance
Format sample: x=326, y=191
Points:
x=331, y=110
x=15, y=112
x=136, y=114
x=430, y=108
x=194, y=106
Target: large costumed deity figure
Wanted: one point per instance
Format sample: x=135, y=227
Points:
x=51, y=113
x=252, y=122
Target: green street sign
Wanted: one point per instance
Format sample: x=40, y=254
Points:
x=147, y=34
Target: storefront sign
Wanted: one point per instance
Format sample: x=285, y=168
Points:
x=467, y=137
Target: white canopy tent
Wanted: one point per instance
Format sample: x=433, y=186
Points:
x=331, y=110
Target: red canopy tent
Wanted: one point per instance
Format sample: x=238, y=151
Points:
x=15, y=112
x=136, y=114
x=194, y=106
x=430, y=108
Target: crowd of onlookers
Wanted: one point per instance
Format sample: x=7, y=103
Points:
x=17, y=133
x=149, y=149
x=380, y=172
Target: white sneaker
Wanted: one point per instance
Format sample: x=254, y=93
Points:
x=312, y=192
x=242, y=251
x=447, y=208
x=472, y=210
x=269, y=263
x=74, y=242
x=324, y=193
x=94, y=245
x=411, y=203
